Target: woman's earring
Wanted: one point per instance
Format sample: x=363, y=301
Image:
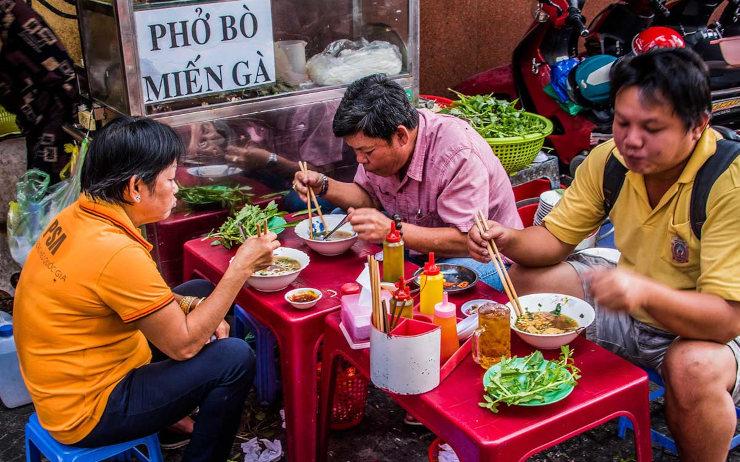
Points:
x=137, y=198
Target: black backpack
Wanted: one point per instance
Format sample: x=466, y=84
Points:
x=727, y=150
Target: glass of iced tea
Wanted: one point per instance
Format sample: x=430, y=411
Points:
x=492, y=339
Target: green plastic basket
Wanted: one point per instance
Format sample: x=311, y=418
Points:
x=7, y=123
x=517, y=152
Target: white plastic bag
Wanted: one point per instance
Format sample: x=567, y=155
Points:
x=36, y=204
x=344, y=61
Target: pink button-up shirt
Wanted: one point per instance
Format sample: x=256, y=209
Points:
x=453, y=173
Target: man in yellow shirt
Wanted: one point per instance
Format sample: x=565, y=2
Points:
x=673, y=302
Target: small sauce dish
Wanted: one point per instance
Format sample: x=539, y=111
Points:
x=303, y=298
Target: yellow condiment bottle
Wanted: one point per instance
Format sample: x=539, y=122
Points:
x=393, y=255
x=432, y=286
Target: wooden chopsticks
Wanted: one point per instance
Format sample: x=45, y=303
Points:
x=379, y=308
x=311, y=196
x=498, y=262
x=262, y=228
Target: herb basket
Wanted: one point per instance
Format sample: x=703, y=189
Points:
x=517, y=152
x=7, y=123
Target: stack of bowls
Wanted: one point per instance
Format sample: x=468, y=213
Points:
x=548, y=199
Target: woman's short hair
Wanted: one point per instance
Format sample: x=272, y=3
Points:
x=128, y=147
x=374, y=105
x=675, y=76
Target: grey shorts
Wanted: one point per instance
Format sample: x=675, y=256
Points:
x=620, y=333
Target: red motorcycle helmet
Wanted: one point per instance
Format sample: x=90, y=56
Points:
x=657, y=37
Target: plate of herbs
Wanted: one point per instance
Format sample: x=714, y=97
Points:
x=530, y=380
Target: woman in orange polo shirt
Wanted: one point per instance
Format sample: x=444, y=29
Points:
x=90, y=298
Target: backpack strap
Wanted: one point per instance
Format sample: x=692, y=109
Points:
x=726, y=153
x=614, y=173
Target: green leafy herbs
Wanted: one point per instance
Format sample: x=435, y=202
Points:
x=225, y=196
x=239, y=227
x=557, y=310
x=523, y=380
x=494, y=118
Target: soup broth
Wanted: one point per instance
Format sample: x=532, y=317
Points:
x=546, y=323
x=339, y=235
x=279, y=266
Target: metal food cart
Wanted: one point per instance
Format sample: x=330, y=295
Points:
x=253, y=80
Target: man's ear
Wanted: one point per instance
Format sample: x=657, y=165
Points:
x=403, y=134
x=699, y=127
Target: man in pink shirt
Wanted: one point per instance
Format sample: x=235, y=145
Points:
x=432, y=170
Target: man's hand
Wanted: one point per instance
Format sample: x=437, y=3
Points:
x=477, y=246
x=369, y=224
x=249, y=157
x=303, y=181
x=255, y=253
x=618, y=289
x=222, y=331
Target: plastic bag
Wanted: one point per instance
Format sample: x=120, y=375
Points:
x=344, y=61
x=36, y=204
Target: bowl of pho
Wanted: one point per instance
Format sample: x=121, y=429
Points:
x=551, y=320
x=286, y=265
x=338, y=242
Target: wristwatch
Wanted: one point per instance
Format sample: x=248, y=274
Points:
x=324, y=185
x=272, y=159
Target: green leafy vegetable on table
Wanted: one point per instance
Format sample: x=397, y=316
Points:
x=523, y=380
x=226, y=196
x=238, y=228
x=494, y=118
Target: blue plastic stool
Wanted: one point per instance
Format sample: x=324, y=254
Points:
x=266, y=380
x=660, y=439
x=38, y=442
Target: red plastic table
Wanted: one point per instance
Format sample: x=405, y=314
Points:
x=610, y=387
x=298, y=332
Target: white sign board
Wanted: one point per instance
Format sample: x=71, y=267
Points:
x=193, y=50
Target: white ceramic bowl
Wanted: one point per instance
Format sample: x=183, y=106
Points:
x=332, y=247
x=303, y=305
x=574, y=307
x=280, y=282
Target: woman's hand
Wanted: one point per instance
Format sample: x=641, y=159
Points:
x=255, y=253
x=222, y=331
x=303, y=181
x=477, y=242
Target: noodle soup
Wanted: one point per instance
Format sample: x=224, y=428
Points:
x=280, y=266
x=546, y=323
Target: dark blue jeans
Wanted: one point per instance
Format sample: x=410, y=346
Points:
x=159, y=394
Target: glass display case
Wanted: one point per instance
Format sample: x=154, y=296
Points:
x=250, y=85
x=186, y=60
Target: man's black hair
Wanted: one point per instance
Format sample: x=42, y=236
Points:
x=676, y=76
x=374, y=105
x=128, y=147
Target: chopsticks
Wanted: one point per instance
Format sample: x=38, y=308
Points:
x=311, y=197
x=498, y=262
x=379, y=308
x=262, y=228
x=344, y=220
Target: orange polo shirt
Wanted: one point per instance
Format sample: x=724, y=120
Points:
x=88, y=276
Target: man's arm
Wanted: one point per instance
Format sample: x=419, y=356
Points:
x=343, y=195
x=444, y=242
x=534, y=246
x=689, y=314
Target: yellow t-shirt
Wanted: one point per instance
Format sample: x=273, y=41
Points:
x=88, y=276
x=658, y=243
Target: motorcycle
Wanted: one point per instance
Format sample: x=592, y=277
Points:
x=553, y=37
